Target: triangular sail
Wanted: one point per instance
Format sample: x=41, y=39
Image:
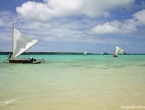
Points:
x=118, y=50
x=85, y=52
x=21, y=43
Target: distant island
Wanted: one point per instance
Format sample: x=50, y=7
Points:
x=67, y=53
x=51, y=53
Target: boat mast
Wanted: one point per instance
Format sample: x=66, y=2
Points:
x=12, y=39
x=115, y=49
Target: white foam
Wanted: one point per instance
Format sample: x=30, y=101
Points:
x=9, y=101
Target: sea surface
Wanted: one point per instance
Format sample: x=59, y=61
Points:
x=73, y=82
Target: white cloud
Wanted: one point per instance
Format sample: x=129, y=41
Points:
x=109, y=27
x=114, y=27
x=140, y=17
x=35, y=11
x=62, y=8
x=127, y=26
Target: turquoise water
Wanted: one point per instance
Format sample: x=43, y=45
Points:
x=73, y=82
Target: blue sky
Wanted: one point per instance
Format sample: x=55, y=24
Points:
x=75, y=25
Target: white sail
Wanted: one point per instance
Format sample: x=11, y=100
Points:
x=118, y=50
x=85, y=52
x=21, y=43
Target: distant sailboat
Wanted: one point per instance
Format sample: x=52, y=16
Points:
x=118, y=50
x=21, y=43
x=85, y=52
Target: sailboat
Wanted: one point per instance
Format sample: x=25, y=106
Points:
x=85, y=53
x=21, y=43
x=118, y=50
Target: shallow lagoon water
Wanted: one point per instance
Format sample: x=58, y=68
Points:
x=73, y=82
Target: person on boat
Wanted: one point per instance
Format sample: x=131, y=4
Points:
x=31, y=60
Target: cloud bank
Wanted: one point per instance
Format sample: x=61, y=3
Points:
x=63, y=8
x=118, y=27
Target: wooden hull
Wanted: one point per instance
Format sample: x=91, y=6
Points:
x=32, y=61
x=20, y=61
